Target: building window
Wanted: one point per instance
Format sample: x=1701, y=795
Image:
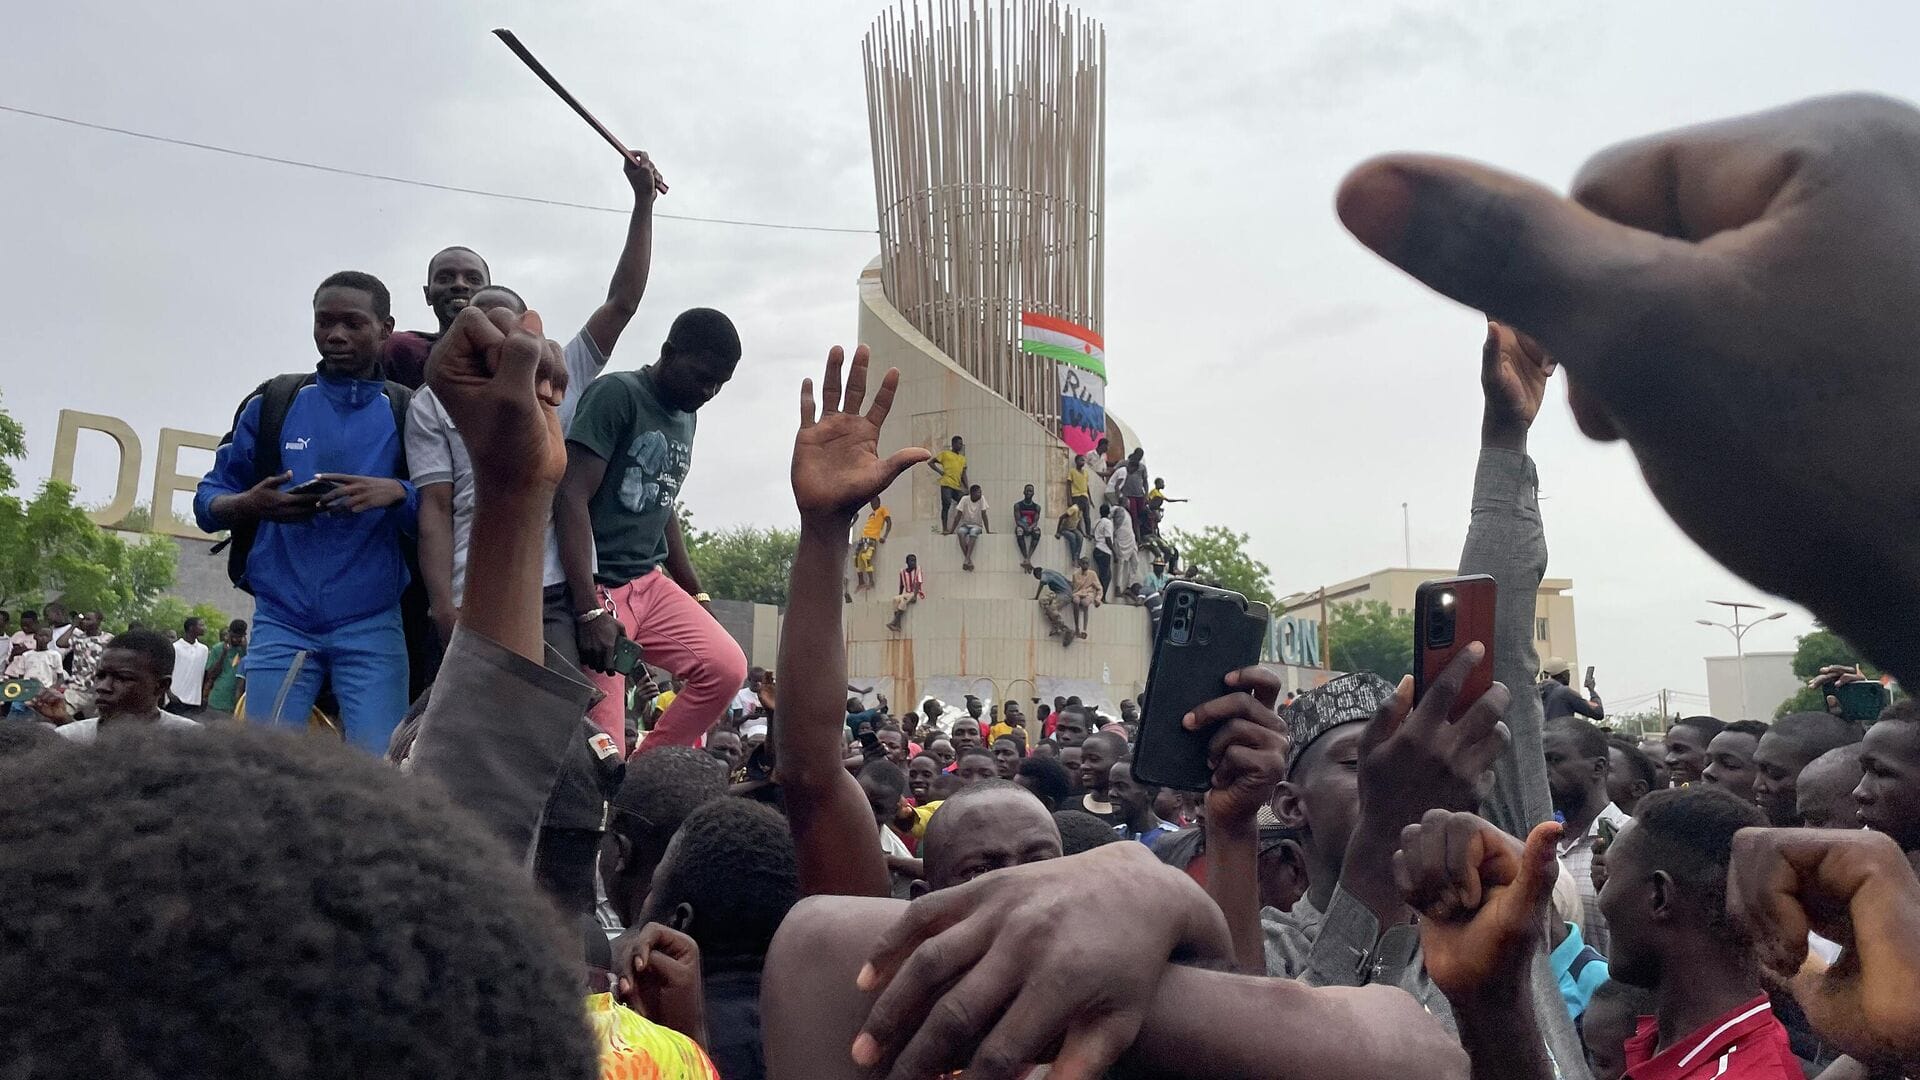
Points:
x=1540, y=629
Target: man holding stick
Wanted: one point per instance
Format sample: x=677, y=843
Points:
x=455, y=273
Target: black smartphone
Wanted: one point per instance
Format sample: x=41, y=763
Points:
x=1205, y=634
x=314, y=487
x=1862, y=701
x=626, y=655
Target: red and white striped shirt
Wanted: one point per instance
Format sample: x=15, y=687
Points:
x=1745, y=1044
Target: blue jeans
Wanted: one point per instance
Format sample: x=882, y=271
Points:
x=366, y=661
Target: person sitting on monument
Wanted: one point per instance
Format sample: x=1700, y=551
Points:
x=1055, y=593
x=913, y=589
x=968, y=519
x=1026, y=527
x=1071, y=529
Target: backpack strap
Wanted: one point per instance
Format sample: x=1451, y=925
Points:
x=276, y=400
x=400, y=396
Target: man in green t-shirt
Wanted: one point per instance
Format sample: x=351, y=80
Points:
x=951, y=465
x=225, y=681
x=628, y=451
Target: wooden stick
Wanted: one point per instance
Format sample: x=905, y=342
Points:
x=527, y=58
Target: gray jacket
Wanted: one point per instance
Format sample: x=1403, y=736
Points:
x=1344, y=946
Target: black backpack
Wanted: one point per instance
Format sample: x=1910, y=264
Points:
x=276, y=399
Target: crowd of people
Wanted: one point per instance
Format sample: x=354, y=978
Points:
x=1130, y=560
x=785, y=881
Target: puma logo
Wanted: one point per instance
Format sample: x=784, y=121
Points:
x=298, y=444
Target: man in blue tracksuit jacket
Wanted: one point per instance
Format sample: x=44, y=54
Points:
x=326, y=568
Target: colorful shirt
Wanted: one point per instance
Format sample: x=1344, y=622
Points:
x=1077, y=482
x=1026, y=514
x=648, y=449
x=633, y=1047
x=1579, y=969
x=876, y=526
x=953, y=466
x=1746, y=1044
x=84, y=651
x=224, y=662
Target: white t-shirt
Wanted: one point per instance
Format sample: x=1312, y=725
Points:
x=189, y=670
x=969, y=512
x=745, y=701
x=891, y=844
x=41, y=665
x=437, y=455
x=1103, y=535
x=88, y=731
x=1119, y=477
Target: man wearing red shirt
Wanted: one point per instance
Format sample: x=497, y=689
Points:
x=1665, y=902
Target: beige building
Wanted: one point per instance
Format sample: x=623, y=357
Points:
x=1553, y=632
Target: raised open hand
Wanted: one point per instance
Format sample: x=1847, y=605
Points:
x=836, y=460
x=500, y=379
x=1482, y=899
x=1514, y=370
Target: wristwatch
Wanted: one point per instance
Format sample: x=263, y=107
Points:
x=586, y=617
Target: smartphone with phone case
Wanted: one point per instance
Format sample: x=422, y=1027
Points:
x=314, y=488
x=1862, y=701
x=1205, y=634
x=626, y=655
x=1448, y=614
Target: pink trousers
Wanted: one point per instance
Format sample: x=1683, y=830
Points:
x=674, y=632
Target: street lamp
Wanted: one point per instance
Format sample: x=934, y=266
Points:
x=1739, y=632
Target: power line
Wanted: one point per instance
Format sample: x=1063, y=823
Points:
x=337, y=171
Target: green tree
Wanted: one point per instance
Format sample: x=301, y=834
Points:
x=171, y=613
x=1218, y=554
x=1368, y=636
x=50, y=549
x=746, y=562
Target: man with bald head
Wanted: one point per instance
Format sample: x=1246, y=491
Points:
x=986, y=826
x=456, y=273
x=1823, y=794
x=1789, y=746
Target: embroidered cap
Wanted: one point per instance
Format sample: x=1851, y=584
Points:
x=1344, y=700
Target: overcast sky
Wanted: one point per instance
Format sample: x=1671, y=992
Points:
x=158, y=283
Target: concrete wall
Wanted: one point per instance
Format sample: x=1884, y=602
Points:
x=1769, y=681
x=978, y=632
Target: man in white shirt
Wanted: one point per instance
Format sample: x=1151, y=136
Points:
x=190, y=665
x=62, y=625
x=442, y=470
x=968, y=521
x=130, y=683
